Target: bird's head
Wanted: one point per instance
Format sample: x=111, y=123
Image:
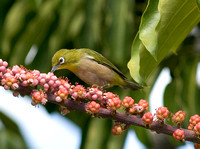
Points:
x=64, y=59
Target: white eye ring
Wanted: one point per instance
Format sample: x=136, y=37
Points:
x=61, y=60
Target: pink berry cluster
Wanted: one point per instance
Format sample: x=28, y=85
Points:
x=3, y=65
x=62, y=91
x=162, y=113
x=95, y=93
x=197, y=129
x=179, y=135
x=147, y=118
x=111, y=100
x=48, y=81
x=40, y=85
x=117, y=129
x=114, y=103
x=38, y=97
x=78, y=92
x=93, y=107
x=9, y=81
x=195, y=124
x=35, y=83
x=194, y=120
x=140, y=107
x=144, y=104
x=178, y=117
x=128, y=102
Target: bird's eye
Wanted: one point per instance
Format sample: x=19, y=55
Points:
x=61, y=60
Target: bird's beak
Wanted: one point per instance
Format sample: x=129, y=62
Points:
x=54, y=68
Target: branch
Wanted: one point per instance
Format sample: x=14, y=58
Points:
x=126, y=119
x=47, y=87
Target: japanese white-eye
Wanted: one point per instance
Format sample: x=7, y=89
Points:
x=91, y=67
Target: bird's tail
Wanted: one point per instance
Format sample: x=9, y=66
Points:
x=131, y=85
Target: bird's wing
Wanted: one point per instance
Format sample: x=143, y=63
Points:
x=115, y=70
x=100, y=59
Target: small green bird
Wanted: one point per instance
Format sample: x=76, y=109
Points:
x=91, y=67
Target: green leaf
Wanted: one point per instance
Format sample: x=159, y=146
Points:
x=144, y=136
x=135, y=65
x=147, y=30
x=118, y=30
x=181, y=93
x=189, y=91
x=116, y=142
x=8, y=123
x=98, y=133
x=67, y=13
x=198, y=3
x=35, y=32
x=91, y=31
x=14, y=23
x=172, y=96
x=172, y=22
x=10, y=132
x=11, y=140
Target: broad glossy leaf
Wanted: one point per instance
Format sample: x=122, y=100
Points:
x=170, y=23
x=198, y=3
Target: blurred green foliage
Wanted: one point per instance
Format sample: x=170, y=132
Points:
x=10, y=135
x=109, y=27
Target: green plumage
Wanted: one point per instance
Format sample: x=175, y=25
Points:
x=91, y=67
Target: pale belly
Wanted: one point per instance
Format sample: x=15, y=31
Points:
x=95, y=74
